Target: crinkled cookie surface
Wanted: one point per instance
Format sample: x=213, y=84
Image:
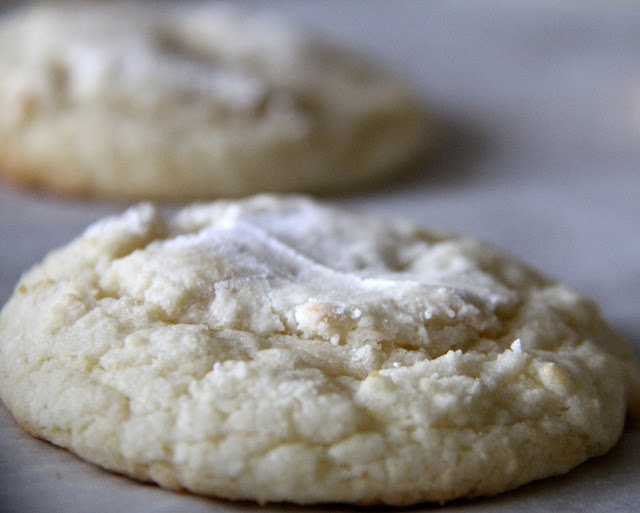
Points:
x=193, y=101
x=278, y=349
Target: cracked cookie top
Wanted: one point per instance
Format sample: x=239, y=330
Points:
x=280, y=349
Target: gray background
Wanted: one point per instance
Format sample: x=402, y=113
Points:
x=539, y=109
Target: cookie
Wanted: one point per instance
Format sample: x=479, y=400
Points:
x=193, y=101
x=279, y=349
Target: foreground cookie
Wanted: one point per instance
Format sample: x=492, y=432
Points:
x=192, y=101
x=276, y=349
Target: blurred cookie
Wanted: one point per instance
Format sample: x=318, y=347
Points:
x=277, y=349
x=192, y=101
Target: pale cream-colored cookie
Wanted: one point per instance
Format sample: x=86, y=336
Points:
x=277, y=349
x=193, y=101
